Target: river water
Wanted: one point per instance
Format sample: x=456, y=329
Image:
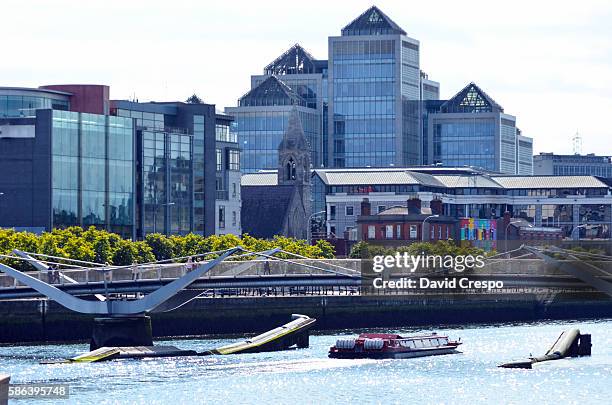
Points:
x=308, y=376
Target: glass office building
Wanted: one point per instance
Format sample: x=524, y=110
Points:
x=92, y=166
x=22, y=102
x=181, y=178
x=374, y=88
x=261, y=118
x=471, y=129
x=564, y=165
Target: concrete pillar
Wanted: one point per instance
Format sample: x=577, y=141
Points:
x=4, y=388
x=121, y=332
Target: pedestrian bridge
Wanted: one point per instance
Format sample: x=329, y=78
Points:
x=276, y=272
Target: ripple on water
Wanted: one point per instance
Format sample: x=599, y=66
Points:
x=308, y=376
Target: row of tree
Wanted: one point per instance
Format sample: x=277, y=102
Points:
x=99, y=246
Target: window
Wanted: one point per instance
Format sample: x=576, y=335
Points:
x=371, y=232
x=234, y=218
x=234, y=188
x=381, y=208
x=219, y=160
x=221, y=217
x=233, y=160
x=332, y=212
x=413, y=231
x=389, y=231
x=399, y=231
x=349, y=210
x=332, y=230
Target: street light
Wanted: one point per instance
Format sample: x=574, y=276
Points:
x=309, y=225
x=423, y=226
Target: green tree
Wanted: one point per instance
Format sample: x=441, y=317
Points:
x=161, y=246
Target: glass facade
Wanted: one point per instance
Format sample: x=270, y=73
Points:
x=199, y=178
x=92, y=171
x=166, y=175
x=465, y=142
x=15, y=105
x=364, y=99
x=260, y=133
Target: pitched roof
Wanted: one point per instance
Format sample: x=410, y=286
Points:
x=471, y=99
x=467, y=181
x=372, y=22
x=295, y=60
x=373, y=177
x=259, y=179
x=271, y=91
x=264, y=209
x=513, y=182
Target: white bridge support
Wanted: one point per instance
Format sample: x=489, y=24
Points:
x=37, y=264
x=111, y=308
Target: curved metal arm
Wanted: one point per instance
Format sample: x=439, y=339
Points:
x=146, y=304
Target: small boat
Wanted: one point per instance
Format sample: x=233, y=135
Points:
x=391, y=346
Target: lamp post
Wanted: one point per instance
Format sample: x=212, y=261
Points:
x=506, y=233
x=423, y=226
x=309, y=225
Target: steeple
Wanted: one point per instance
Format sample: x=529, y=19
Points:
x=294, y=153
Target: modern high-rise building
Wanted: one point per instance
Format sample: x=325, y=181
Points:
x=564, y=165
x=524, y=154
x=430, y=90
x=70, y=156
x=64, y=162
x=471, y=129
x=262, y=116
x=374, y=93
x=359, y=108
x=188, y=168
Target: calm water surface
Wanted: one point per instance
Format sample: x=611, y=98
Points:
x=308, y=376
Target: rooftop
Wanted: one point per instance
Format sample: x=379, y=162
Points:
x=372, y=22
x=514, y=182
x=471, y=99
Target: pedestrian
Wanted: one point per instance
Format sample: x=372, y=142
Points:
x=189, y=264
x=50, y=274
x=266, y=267
x=56, y=274
x=108, y=274
x=135, y=271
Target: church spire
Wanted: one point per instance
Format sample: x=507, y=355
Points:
x=294, y=153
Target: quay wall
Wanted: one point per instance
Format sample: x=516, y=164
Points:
x=45, y=321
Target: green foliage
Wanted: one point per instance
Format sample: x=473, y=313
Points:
x=95, y=245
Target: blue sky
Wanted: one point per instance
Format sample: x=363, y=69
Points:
x=547, y=62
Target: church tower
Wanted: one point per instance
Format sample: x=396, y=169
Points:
x=294, y=171
x=294, y=153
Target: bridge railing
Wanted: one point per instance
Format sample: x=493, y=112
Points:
x=228, y=268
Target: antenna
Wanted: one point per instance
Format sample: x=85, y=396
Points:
x=577, y=144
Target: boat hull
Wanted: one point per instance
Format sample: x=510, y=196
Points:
x=369, y=354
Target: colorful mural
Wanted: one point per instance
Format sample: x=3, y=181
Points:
x=481, y=233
